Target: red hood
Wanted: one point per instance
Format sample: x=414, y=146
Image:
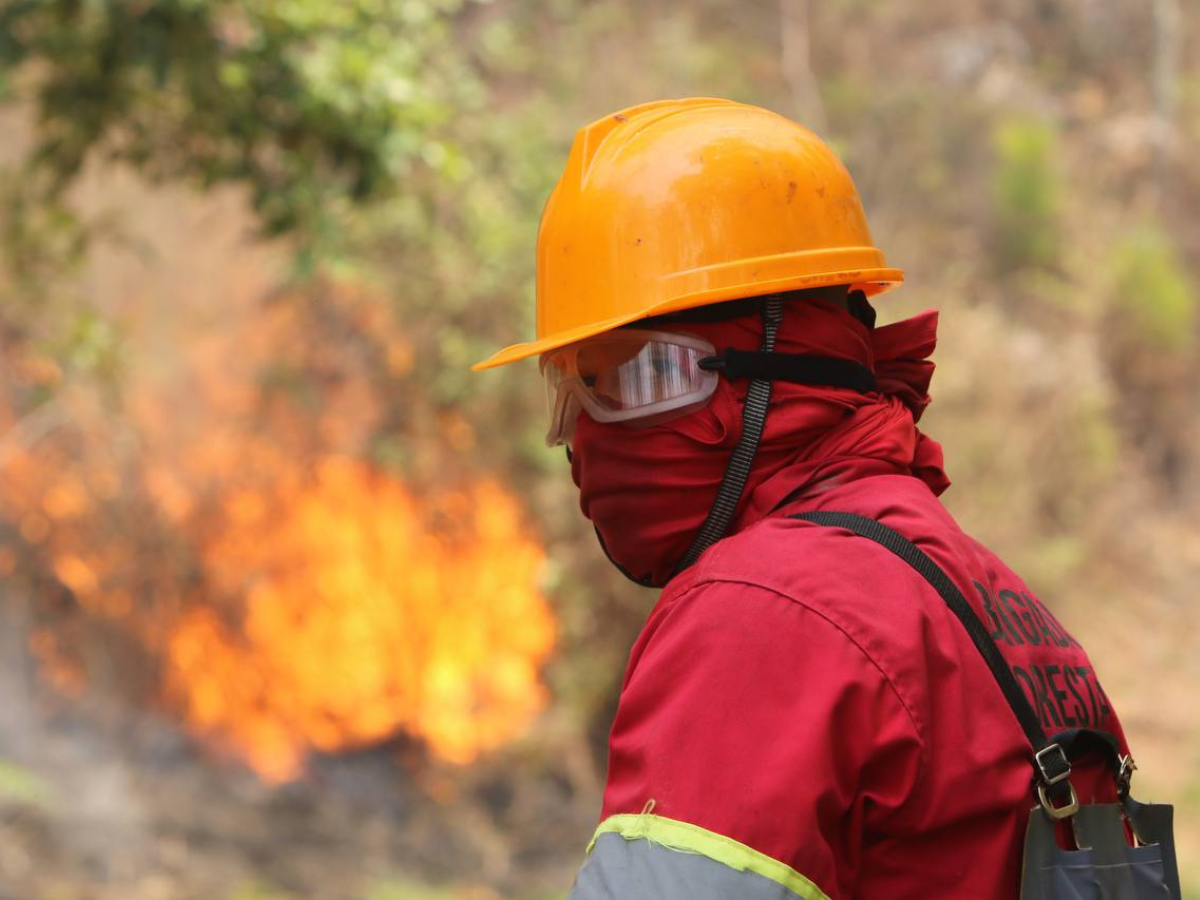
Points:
x=648, y=490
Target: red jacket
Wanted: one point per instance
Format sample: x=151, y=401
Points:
x=802, y=716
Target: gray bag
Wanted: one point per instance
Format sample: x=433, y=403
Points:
x=1104, y=864
x=1123, y=851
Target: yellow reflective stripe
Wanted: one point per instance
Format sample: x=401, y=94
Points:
x=687, y=838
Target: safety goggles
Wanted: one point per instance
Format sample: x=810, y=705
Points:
x=626, y=375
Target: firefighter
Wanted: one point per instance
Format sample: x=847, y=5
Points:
x=801, y=715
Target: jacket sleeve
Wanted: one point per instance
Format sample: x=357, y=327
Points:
x=754, y=740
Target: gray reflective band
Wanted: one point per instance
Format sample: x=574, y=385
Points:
x=625, y=864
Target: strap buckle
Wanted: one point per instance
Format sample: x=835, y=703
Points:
x=1065, y=811
x=1055, y=768
x=1052, y=764
x=1125, y=775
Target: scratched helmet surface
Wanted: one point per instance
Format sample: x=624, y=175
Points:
x=685, y=203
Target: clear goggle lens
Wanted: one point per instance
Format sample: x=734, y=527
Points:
x=641, y=377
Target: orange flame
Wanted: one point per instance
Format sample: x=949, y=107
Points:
x=359, y=623
x=292, y=607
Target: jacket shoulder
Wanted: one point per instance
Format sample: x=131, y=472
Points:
x=836, y=573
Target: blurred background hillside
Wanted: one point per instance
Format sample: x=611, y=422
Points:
x=292, y=605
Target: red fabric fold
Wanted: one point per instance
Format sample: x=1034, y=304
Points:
x=649, y=490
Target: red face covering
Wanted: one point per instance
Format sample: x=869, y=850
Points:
x=648, y=490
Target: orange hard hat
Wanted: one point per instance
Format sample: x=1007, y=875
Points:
x=684, y=203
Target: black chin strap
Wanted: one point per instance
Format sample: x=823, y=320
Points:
x=741, y=460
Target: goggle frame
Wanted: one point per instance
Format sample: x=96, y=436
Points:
x=675, y=395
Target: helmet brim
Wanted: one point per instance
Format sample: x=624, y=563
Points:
x=870, y=281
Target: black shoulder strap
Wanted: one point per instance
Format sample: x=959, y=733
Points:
x=1050, y=767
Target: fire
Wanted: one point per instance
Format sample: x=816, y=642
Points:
x=361, y=622
x=357, y=611
x=289, y=596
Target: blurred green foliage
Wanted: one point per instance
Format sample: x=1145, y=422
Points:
x=20, y=786
x=256, y=891
x=1154, y=289
x=41, y=241
x=1026, y=192
x=408, y=890
x=308, y=104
